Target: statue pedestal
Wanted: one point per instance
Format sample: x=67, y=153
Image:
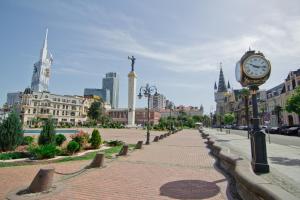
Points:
x=131, y=98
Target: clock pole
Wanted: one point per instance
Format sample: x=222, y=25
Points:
x=258, y=142
x=248, y=73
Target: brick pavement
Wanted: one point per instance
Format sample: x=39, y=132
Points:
x=178, y=167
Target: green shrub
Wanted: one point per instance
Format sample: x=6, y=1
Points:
x=12, y=155
x=47, y=135
x=113, y=143
x=59, y=139
x=11, y=132
x=44, y=151
x=73, y=147
x=81, y=138
x=95, y=139
x=27, y=140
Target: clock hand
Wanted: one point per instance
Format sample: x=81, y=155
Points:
x=255, y=66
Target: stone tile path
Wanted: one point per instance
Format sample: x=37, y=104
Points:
x=178, y=167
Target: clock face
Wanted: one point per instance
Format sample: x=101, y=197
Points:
x=238, y=71
x=256, y=67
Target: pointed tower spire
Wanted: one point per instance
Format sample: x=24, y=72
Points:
x=216, y=86
x=44, y=50
x=222, y=84
x=228, y=85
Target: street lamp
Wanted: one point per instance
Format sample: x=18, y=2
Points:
x=171, y=106
x=147, y=92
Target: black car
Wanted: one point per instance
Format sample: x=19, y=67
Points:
x=274, y=130
x=292, y=130
x=283, y=129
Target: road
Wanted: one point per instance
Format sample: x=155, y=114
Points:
x=292, y=141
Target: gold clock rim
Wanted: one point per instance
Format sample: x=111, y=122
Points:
x=257, y=77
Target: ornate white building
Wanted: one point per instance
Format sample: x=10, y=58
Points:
x=41, y=69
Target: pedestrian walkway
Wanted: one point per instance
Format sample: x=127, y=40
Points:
x=284, y=160
x=177, y=167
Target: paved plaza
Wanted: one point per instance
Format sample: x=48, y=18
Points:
x=284, y=160
x=177, y=167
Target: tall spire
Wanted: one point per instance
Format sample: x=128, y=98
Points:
x=216, y=86
x=44, y=50
x=228, y=85
x=222, y=84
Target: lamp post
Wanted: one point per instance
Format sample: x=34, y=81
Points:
x=147, y=91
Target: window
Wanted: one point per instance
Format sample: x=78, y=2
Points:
x=67, y=107
x=46, y=96
x=53, y=112
x=34, y=111
x=73, y=107
x=35, y=104
x=73, y=114
x=28, y=111
x=57, y=112
x=74, y=101
x=63, y=112
x=35, y=96
x=63, y=106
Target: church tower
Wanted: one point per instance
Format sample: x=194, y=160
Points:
x=41, y=69
x=220, y=93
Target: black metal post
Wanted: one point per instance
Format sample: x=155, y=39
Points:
x=148, y=119
x=258, y=142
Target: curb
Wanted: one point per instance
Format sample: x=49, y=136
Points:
x=248, y=185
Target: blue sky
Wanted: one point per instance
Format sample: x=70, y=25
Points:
x=178, y=44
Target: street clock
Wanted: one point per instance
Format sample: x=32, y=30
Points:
x=253, y=69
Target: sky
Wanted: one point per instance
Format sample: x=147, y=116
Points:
x=178, y=44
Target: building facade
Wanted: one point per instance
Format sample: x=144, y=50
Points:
x=41, y=69
x=63, y=109
x=103, y=93
x=157, y=102
x=121, y=115
x=13, y=98
x=111, y=83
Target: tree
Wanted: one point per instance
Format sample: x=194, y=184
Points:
x=245, y=93
x=96, y=139
x=11, y=132
x=95, y=111
x=229, y=118
x=47, y=135
x=277, y=111
x=293, y=102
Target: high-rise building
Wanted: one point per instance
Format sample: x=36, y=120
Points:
x=13, y=98
x=111, y=82
x=41, y=69
x=157, y=101
x=103, y=93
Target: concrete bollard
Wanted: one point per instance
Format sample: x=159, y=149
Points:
x=161, y=137
x=98, y=161
x=165, y=135
x=156, y=138
x=139, y=145
x=42, y=181
x=124, y=150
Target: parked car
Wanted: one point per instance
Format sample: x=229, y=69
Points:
x=274, y=130
x=299, y=132
x=292, y=130
x=283, y=129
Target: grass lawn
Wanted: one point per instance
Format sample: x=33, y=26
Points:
x=107, y=152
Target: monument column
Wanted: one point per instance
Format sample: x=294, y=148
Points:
x=131, y=94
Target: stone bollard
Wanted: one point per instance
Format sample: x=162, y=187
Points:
x=161, y=137
x=165, y=135
x=42, y=181
x=156, y=138
x=139, y=145
x=98, y=161
x=123, y=151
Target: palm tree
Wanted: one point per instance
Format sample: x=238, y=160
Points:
x=245, y=93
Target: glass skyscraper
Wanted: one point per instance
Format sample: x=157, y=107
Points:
x=111, y=82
